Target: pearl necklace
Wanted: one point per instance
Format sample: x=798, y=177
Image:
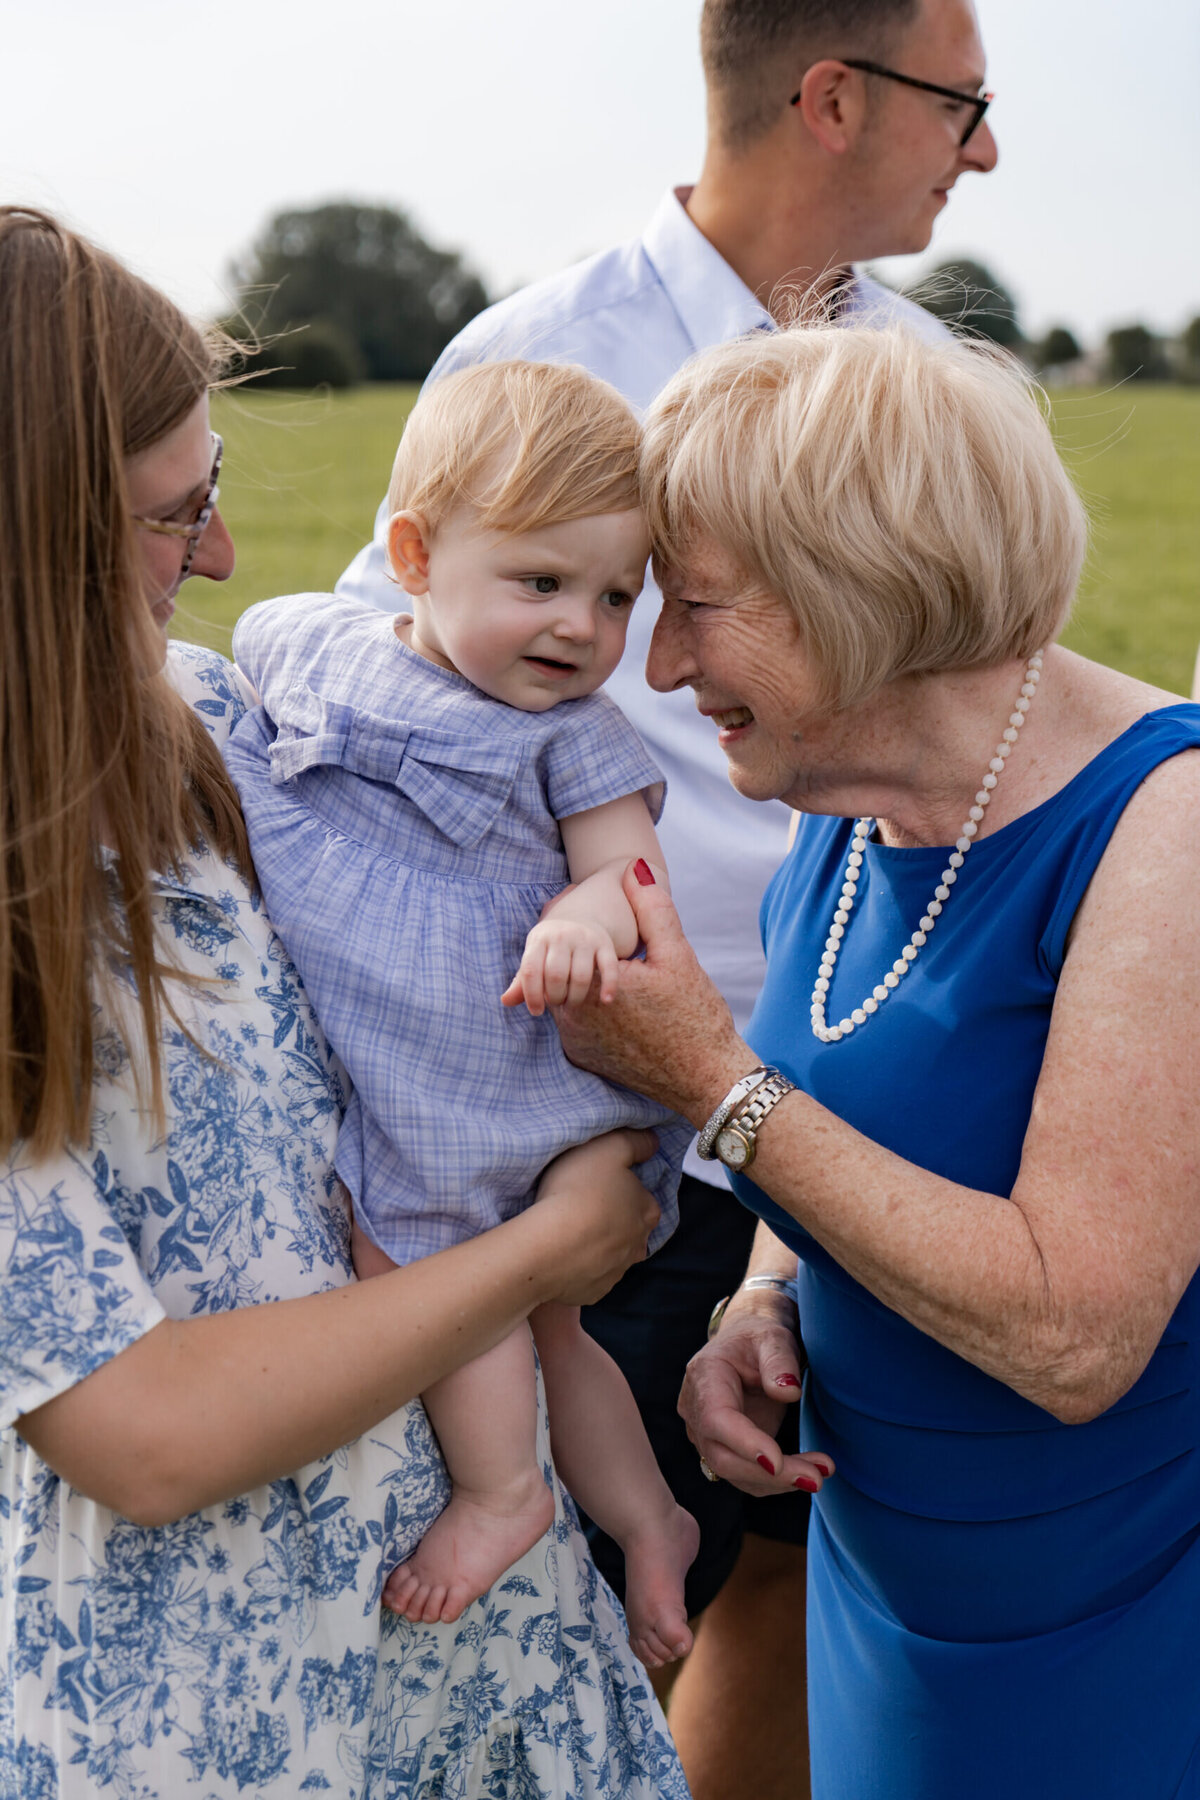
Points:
x=832, y=1034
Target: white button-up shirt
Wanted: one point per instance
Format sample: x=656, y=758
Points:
x=633, y=316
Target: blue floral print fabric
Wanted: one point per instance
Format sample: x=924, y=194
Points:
x=242, y=1651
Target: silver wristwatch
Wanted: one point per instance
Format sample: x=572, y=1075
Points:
x=736, y=1141
x=729, y=1105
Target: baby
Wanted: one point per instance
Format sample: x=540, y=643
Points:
x=419, y=791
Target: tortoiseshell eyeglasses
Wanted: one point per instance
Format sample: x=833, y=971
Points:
x=195, y=531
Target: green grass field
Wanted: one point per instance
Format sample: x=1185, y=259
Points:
x=300, y=482
x=303, y=476
x=1135, y=454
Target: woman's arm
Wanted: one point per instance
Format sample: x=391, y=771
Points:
x=590, y=925
x=200, y=1410
x=1063, y=1290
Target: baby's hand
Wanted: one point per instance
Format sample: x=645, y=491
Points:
x=561, y=957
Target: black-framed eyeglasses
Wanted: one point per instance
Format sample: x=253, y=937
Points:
x=195, y=531
x=978, y=103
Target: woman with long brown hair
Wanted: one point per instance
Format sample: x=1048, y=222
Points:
x=209, y=1452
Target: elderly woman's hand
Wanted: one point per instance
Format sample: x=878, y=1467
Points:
x=593, y=1216
x=668, y=1033
x=734, y=1396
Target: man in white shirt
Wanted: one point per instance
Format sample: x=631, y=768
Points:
x=836, y=130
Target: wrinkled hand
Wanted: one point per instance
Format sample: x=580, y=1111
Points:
x=733, y=1399
x=561, y=957
x=593, y=1217
x=667, y=1032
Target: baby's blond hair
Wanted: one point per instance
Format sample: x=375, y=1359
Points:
x=903, y=498
x=525, y=444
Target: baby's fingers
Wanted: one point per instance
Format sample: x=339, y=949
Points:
x=532, y=976
x=514, y=993
x=583, y=966
x=557, y=973
x=606, y=969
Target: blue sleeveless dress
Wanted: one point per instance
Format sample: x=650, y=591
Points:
x=999, y=1604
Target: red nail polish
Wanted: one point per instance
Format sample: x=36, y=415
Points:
x=764, y=1462
x=644, y=873
x=802, y=1481
x=825, y=1472
x=786, y=1381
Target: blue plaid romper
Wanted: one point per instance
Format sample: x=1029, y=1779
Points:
x=404, y=830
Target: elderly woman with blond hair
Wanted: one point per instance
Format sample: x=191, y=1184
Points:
x=966, y=1109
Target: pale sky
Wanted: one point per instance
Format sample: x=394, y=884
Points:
x=530, y=133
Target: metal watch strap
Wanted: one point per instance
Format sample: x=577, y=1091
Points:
x=737, y=1093
x=775, y=1284
x=736, y=1140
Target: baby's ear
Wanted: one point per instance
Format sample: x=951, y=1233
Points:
x=408, y=551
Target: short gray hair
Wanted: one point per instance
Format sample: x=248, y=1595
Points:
x=904, y=499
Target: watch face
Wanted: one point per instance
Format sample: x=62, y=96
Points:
x=715, y=1317
x=733, y=1147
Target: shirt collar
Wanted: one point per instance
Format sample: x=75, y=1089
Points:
x=712, y=301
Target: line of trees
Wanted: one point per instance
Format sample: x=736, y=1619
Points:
x=344, y=292
x=347, y=292
x=973, y=301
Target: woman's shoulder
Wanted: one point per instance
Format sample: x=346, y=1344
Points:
x=1155, y=779
x=1163, y=739
x=1107, y=717
x=212, y=686
x=1145, y=738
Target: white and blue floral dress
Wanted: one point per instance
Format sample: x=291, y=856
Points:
x=242, y=1651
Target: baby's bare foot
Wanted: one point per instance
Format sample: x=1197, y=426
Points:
x=656, y=1561
x=467, y=1548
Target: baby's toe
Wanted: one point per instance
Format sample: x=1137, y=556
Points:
x=645, y=1653
x=434, y=1601
x=414, y=1605
x=458, y=1597
x=397, y=1589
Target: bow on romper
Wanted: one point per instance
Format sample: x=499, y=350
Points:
x=405, y=832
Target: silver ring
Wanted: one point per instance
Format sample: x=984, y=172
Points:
x=707, y=1472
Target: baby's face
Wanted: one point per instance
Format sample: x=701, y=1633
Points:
x=535, y=618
